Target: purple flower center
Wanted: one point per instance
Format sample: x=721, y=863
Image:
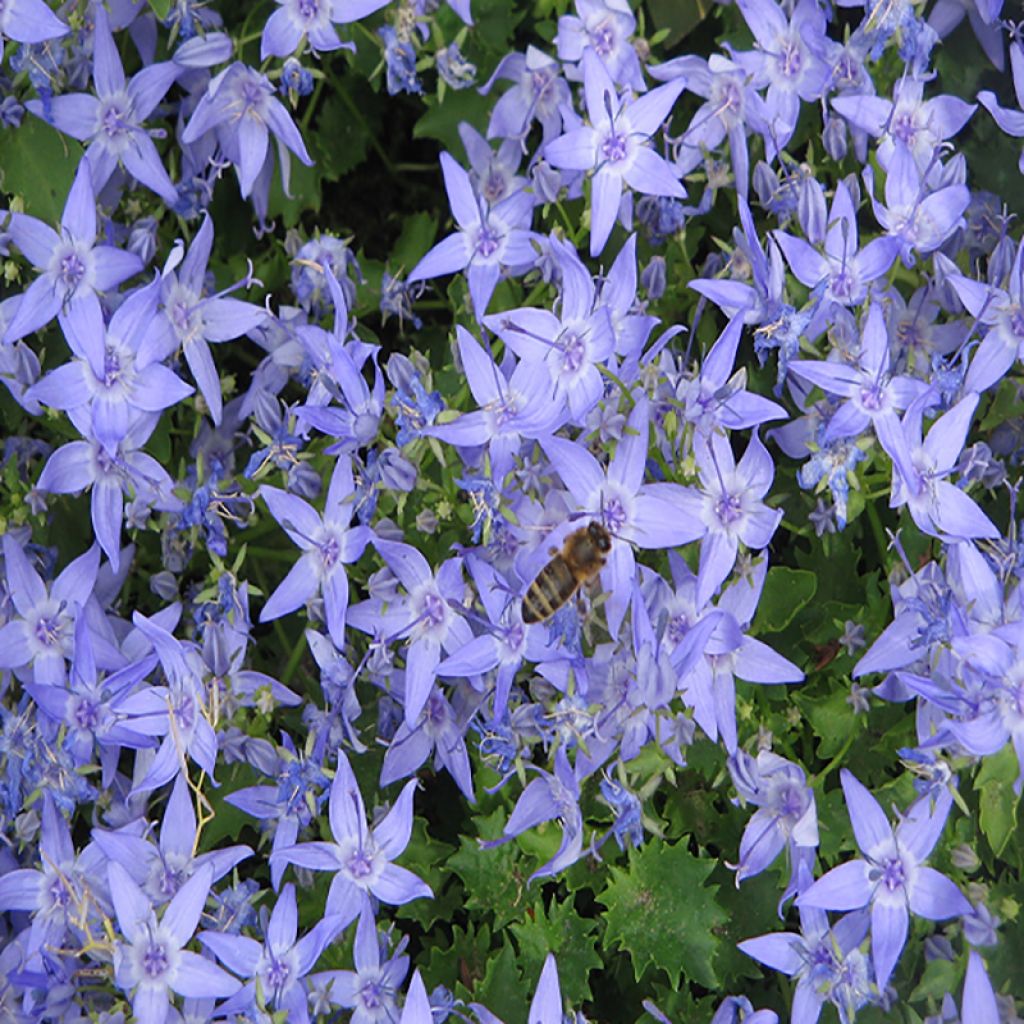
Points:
x=842, y=285
x=169, y=880
x=60, y=894
x=372, y=995
x=309, y=10
x=614, y=515
x=791, y=60
x=112, y=368
x=846, y=73
x=678, y=627
x=87, y=715
x=728, y=508
x=1017, y=322
x=603, y=39
x=360, y=864
x=872, y=397
x=185, y=713
x=114, y=119
x=614, y=147
x=155, y=960
x=330, y=552
x=487, y=242
x=277, y=974
x=72, y=270
x=252, y=96
x=790, y=802
x=49, y=629
x=574, y=352
x=892, y=874
x=903, y=128
x=434, y=609
x=540, y=83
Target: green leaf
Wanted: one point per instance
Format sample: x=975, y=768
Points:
x=996, y=798
x=418, y=231
x=663, y=915
x=832, y=718
x=304, y=186
x=340, y=140
x=441, y=121
x=785, y=592
x=39, y=165
x=493, y=878
x=502, y=990
x=161, y=8
x=567, y=934
x=940, y=976
x=678, y=17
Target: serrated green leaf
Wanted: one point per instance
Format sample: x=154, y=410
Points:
x=39, y=165
x=661, y=912
x=502, y=990
x=832, y=719
x=785, y=592
x=560, y=930
x=494, y=879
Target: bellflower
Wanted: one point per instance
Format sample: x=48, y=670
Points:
x=84, y=707
x=278, y=964
x=920, y=482
x=178, y=711
x=370, y=990
x=30, y=21
x=426, y=616
x=651, y=516
x=539, y=94
x=787, y=61
x=492, y=174
x=732, y=107
x=921, y=219
x=825, y=960
x=73, y=267
x=615, y=146
x=328, y=544
x=489, y=239
x=1010, y=121
x=81, y=465
x=240, y=106
x=297, y=19
x=872, y=394
x=511, y=407
x=922, y=125
x=191, y=321
x=55, y=892
x=892, y=877
x=606, y=28
x=786, y=813
x=111, y=122
x=360, y=857
x=437, y=731
x=716, y=399
x=1001, y=310
x=547, y=797
x=38, y=638
x=573, y=344
x=843, y=271
x=729, y=508
x=117, y=373
x=152, y=963
x=161, y=870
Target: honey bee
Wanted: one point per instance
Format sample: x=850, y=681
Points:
x=582, y=557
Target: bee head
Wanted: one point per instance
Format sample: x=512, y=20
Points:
x=599, y=536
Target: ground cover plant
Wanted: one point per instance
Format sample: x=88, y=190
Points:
x=325, y=326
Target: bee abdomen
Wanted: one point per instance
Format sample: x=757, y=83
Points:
x=554, y=585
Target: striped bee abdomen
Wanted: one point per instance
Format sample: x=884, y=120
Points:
x=554, y=585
